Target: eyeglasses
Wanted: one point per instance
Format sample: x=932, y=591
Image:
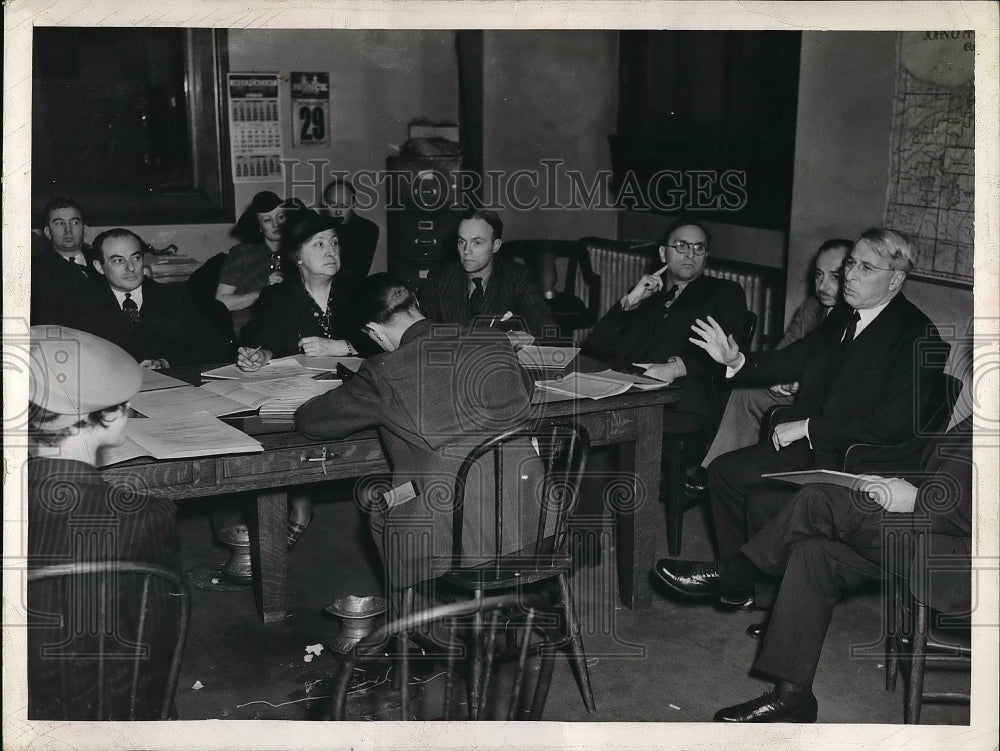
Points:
x=866, y=268
x=686, y=248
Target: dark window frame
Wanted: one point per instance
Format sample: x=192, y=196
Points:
x=210, y=199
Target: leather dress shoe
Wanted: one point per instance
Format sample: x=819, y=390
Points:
x=757, y=630
x=691, y=578
x=771, y=708
x=696, y=482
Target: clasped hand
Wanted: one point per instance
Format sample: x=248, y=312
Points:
x=157, y=364
x=317, y=345
x=787, y=433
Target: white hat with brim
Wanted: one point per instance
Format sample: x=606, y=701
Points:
x=73, y=373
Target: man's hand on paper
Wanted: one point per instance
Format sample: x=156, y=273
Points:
x=894, y=494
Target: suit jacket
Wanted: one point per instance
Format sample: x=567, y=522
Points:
x=170, y=326
x=433, y=399
x=649, y=333
x=358, y=241
x=284, y=313
x=444, y=297
x=868, y=392
x=73, y=515
x=59, y=289
x=807, y=316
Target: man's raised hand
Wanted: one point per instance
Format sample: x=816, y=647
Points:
x=720, y=346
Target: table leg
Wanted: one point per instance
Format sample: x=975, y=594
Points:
x=268, y=550
x=636, y=538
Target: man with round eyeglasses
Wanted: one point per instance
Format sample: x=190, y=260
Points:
x=650, y=326
x=865, y=373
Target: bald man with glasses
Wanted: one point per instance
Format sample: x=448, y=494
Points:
x=865, y=373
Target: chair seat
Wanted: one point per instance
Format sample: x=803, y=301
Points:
x=513, y=571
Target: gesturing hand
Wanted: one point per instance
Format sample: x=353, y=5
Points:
x=645, y=287
x=720, y=346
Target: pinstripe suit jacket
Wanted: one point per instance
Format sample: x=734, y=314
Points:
x=73, y=515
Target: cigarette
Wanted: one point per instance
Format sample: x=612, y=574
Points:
x=657, y=273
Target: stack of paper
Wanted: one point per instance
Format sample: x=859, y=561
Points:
x=585, y=386
x=539, y=356
x=643, y=383
x=177, y=437
x=277, y=398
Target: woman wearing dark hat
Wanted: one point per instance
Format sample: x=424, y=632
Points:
x=255, y=262
x=80, y=387
x=307, y=313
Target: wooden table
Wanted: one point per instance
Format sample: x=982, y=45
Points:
x=634, y=420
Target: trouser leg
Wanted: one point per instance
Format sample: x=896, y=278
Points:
x=740, y=423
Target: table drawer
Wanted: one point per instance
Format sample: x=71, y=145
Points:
x=304, y=463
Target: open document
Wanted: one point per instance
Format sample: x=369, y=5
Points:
x=187, y=400
x=294, y=390
x=179, y=437
x=584, y=386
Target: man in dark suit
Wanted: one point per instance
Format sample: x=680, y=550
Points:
x=828, y=540
x=60, y=281
x=155, y=323
x=483, y=289
x=434, y=394
x=358, y=236
x=865, y=373
x=740, y=423
x=651, y=325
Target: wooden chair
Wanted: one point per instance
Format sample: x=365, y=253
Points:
x=681, y=448
x=927, y=623
x=103, y=634
x=544, y=562
x=514, y=624
x=568, y=310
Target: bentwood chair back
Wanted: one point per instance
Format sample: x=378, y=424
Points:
x=545, y=561
x=105, y=640
x=521, y=632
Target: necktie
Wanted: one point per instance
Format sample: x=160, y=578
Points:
x=476, y=298
x=131, y=310
x=668, y=300
x=852, y=327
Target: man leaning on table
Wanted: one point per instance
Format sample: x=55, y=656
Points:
x=435, y=393
x=650, y=325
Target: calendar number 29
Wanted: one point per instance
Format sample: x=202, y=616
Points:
x=313, y=124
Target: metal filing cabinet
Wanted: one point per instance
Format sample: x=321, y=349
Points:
x=422, y=215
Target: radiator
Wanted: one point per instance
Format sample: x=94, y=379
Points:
x=620, y=265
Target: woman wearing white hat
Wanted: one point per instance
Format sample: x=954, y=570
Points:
x=80, y=387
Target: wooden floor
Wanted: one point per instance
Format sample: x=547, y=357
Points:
x=676, y=662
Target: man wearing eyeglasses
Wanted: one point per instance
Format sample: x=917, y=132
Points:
x=651, y=325
x=864, y=372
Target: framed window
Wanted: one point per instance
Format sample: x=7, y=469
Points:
x=131, y=123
